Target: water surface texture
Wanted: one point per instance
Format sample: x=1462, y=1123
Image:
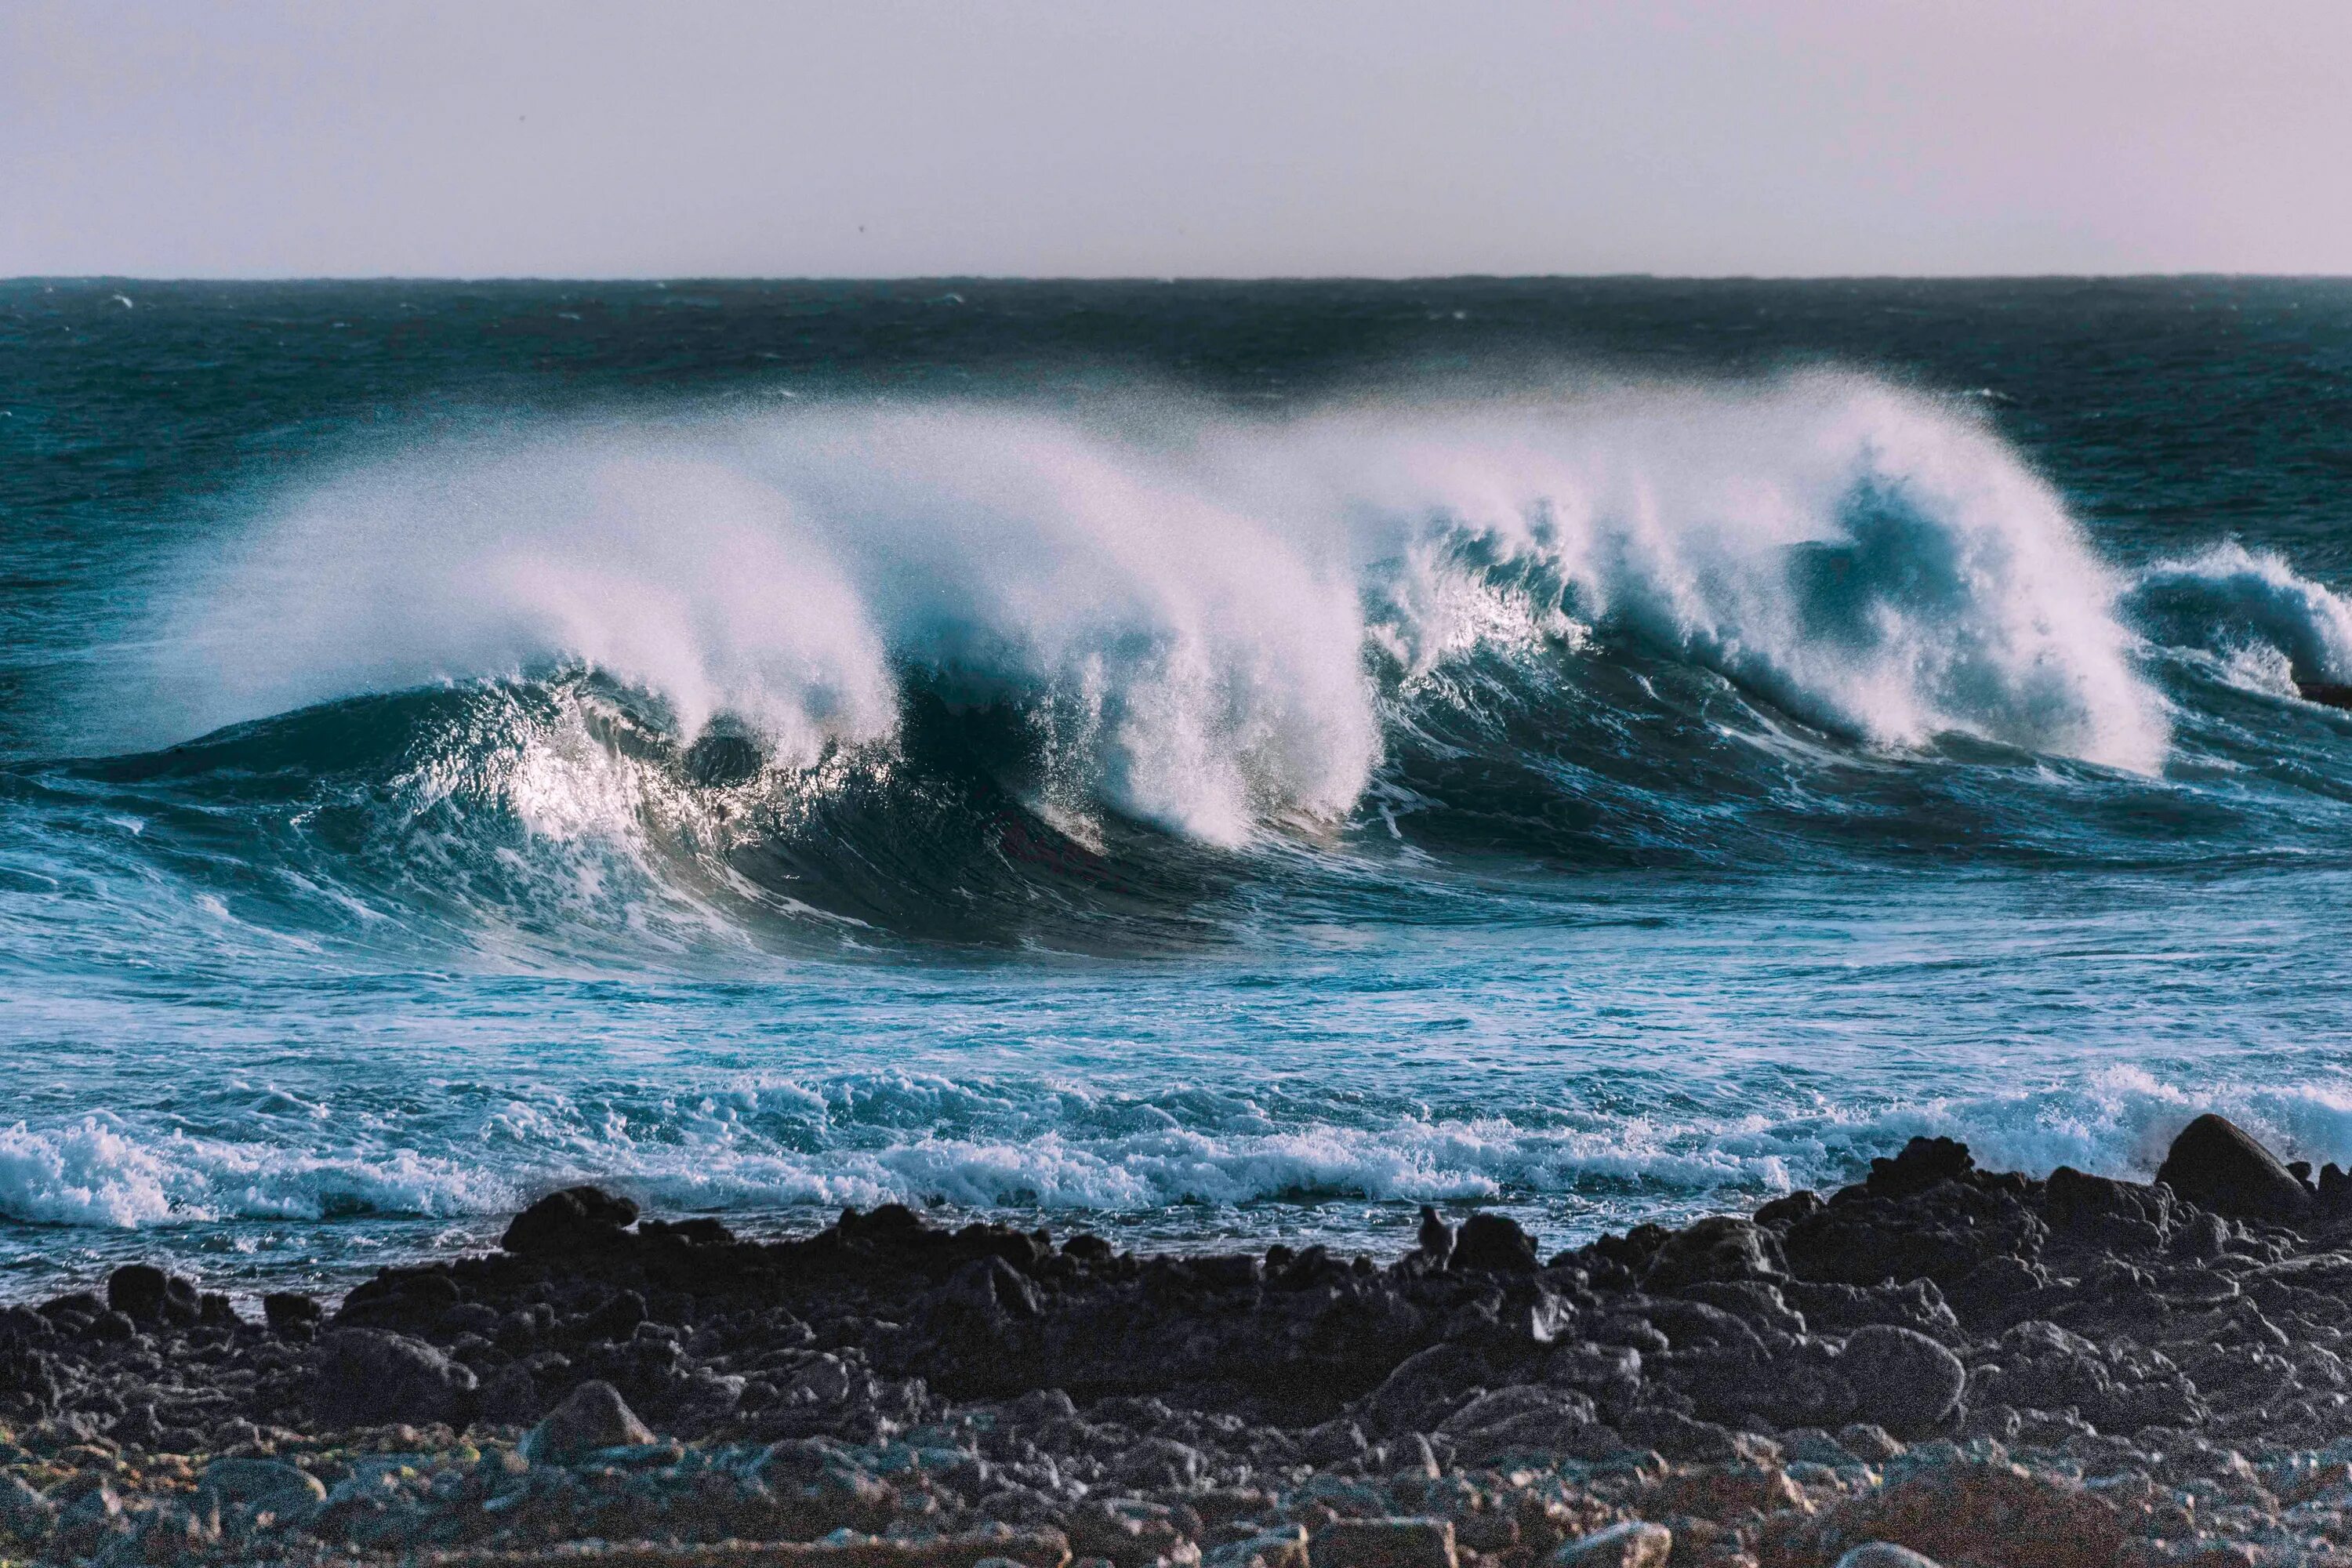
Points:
x=1187, y=761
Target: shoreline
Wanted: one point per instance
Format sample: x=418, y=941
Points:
x=1980, y=1366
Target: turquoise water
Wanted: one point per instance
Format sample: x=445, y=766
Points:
x=1188, y=760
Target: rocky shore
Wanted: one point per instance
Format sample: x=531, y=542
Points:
x=1975, y=1367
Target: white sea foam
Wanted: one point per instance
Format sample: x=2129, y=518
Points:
x=103, y=1170
x=878, y=1138
x=1200, y=612
x=2252, y=608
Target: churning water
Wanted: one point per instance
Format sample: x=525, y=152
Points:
x=1188, y=761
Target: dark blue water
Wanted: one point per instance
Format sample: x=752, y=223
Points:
x=1192, y=760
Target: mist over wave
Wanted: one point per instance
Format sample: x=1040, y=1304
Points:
x=986, y=671
x=1209, y=623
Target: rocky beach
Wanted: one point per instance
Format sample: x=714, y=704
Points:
x=1975, y=1367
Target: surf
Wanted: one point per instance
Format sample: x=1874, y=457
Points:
x=1215, y=614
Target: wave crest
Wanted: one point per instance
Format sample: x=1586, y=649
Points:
x=1205, y=622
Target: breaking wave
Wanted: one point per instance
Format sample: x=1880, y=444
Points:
x=1077, y=1156
x=970, y=670
x=1211, y=620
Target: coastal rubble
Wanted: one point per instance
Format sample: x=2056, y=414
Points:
x=1941, y=1362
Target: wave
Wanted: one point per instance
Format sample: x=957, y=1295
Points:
x=995, y=672
x=1206, y=618
x=2254, y=610
x=1056, y=1150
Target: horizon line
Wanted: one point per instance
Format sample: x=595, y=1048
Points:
x=52, y=279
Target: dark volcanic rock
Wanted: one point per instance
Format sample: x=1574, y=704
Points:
x=369, y=1377
x=595, y=1416
x=2216, y=1165
x=2113, y=1363
x=291, y=1312
x=573, y=1220
x=1941, y=1232
x=1718, y=1249
x=1922, y=1163
x=1904, y=1380
x=145, y=1294
x=1493, y=1242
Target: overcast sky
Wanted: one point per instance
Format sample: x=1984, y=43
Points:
x=1178, y=137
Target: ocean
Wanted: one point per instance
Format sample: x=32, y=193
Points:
x=1201, y=763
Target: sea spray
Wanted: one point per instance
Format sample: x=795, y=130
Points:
x=1215, y=632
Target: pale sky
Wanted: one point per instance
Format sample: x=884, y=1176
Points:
x=241, y=138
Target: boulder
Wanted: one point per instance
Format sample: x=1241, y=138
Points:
x=1635, y=1543
x=240, y=1479
x=1922, y=1164
x=1902, y=1380
x=23, y=1512
x=146, y=1294
x=1492, y=1242
x=370, y=1377
x=1986, y=1511
x=2217, y=1165
x=1283, y=1548
x=1720, y=1249
x=575, y=1219
x=260, y=1488
x=1385, y=1542
x=1884, y=1555
x=289, y=1313
x=594, y=1417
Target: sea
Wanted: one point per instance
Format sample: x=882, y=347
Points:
x=1201, y=763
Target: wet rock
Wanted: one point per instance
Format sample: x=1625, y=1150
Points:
x=1903, y=1380
x=28, y=1379
x=1494, y=1243
x=1715, y=1249
x=1870, y=1443
x=1130, y=1532
x=1384, y=1542
x=290, y=1314
x=1730, y=1492
x=239, y=1478
x=1435, y=1238
x=1633, y=1544
x=1757, y=1302
x=992, y=1287
x=146, y=1294
x=594, y=1417
x=1423, y=1387
x=2097, y=1213
x=576, y=1220
x=372, y=1377
x=1940, y=1234
x=2218, y=1165
x=1923, y=1163
x=1801, y=1388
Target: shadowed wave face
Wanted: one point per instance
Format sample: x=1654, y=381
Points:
x=996, y=674
x=1604, y=795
